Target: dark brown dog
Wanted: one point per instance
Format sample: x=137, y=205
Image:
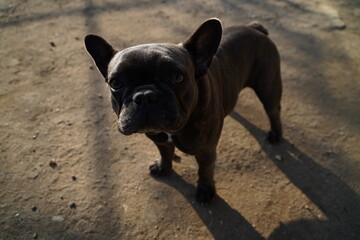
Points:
x=179, y=95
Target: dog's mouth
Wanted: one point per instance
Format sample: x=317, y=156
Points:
x=145, y=130
x=144, y=122
x=131, y=128
x=150, y=110
x=128, y=130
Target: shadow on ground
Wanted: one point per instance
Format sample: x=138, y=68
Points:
x=339, y=203
x=222, y=221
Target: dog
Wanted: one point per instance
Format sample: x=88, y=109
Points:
x=179, y=94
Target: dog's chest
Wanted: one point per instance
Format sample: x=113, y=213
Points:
x=188, y=145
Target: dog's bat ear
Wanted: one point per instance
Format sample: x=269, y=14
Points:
x=101, y=51
x=203, y=45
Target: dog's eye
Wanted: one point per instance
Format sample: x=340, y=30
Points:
x=115, y=84
x=178, y=79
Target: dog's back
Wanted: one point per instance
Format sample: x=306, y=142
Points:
x=256, y=59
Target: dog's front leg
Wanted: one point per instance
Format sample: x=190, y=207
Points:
x=162, y=166
x=206, y=185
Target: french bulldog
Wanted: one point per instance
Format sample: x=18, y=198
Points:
x=179, y=94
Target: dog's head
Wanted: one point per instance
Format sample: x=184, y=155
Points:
x=154, y=87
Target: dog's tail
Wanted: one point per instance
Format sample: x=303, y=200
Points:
x=259, y=27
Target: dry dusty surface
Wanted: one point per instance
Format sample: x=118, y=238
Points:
x=66, y=173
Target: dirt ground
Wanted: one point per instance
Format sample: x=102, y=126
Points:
x=66, y=172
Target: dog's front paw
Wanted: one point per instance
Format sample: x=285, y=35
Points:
x=158, y=171
x=273, y=138
x=205, y=193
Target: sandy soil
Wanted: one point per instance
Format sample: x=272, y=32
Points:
x=66, y=173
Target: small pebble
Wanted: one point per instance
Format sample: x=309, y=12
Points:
x=52, y=44
x=14, y=62
x=57, y=219
x=33, y=208
x=74, y=178
x=156, y=227
x=192, y=167
x=34, y=236
x=73, y=206
x=33, y=175
x=52, y=164
x=279, y=157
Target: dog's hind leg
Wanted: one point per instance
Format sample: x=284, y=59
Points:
x=270, y=97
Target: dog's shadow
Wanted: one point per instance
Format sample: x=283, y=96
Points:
x=222, y=221
x=338, y=202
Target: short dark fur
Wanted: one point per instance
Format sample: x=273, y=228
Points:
x=179, y=95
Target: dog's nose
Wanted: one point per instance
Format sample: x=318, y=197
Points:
x=146, y=96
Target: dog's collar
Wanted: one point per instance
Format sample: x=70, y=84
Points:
x=169, y=140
